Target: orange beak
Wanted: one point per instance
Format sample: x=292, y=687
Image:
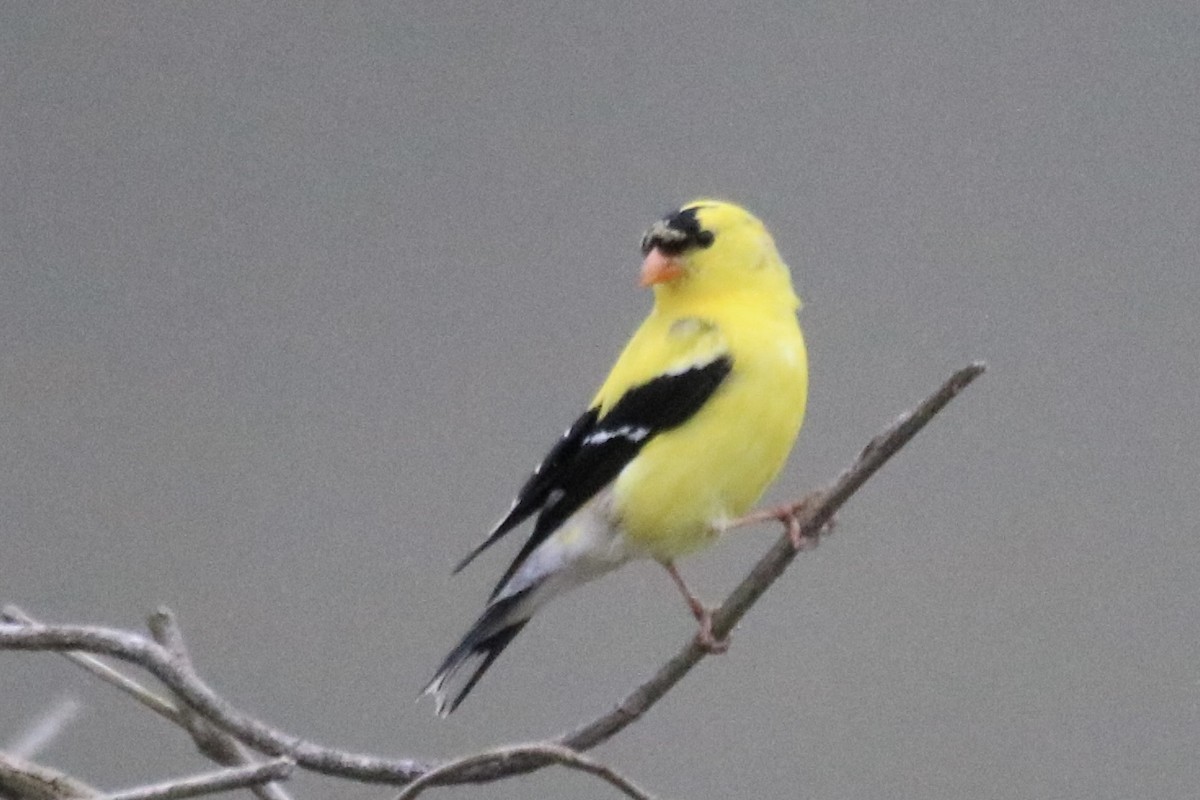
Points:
x=659, y=268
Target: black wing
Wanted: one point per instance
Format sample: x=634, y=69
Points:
x=541, y=483
x=594, y=450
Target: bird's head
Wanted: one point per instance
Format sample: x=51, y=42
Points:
x=712, y=247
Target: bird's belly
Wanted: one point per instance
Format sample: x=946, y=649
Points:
x=684, y=483
x=585, y=547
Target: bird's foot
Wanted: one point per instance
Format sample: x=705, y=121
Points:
x=703, y=614
x=790, y=514
x=802, y=541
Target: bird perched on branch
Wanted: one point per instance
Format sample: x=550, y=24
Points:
x=692, y=424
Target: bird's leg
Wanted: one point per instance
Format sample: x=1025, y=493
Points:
x=789, y=514
x=701, y=612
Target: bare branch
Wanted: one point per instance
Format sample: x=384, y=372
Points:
x=156, y=660
x=164, y=627
x=553, y=753
x=805, y=521
x=210, y=782
x=25, y=780
x=45, y=729
x=104, y=672
x=210, y=740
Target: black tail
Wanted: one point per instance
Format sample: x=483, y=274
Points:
x=499, y=624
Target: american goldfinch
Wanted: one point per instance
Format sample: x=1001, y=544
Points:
x=694, y=421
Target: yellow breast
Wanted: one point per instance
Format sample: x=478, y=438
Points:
x=717, y=465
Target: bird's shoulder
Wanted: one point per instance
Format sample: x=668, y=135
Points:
x=663, y=346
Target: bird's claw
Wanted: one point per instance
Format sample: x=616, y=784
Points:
x=703, y=614
x=790, y=517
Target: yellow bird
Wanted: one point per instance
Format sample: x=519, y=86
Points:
x=692, y=424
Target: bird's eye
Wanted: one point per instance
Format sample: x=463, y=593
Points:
x=676, y=233
x=672, y=246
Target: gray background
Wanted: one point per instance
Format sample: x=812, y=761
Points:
x=294, y=297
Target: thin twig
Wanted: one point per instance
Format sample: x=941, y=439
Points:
x=45, y=729
x=553, y=753
x=209, y=782
x=814, y=514
x=155, y=659
x=106, y=673
x=210, y=740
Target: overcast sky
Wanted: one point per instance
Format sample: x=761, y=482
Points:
x=292, y=299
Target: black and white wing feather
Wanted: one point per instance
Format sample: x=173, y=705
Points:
x=595, y=449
